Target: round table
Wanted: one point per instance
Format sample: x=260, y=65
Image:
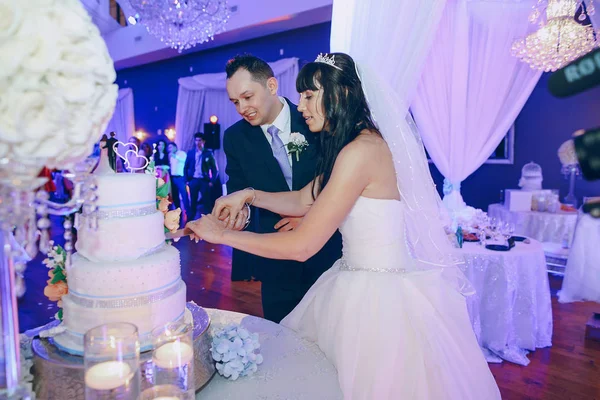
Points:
x=511, y=311
x=542, y=226
x=293, y=368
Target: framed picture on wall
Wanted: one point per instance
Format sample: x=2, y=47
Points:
x=504, y=153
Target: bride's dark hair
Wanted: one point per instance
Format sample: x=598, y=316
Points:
x=345, y=107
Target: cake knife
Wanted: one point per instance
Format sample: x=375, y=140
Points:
x=178, y=234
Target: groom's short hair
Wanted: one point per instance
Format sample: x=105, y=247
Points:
x=258, y=68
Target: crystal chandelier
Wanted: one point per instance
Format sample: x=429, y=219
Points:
x=560, y=39
x=182, y=24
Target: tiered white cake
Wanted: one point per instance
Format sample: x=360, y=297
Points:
x=123, y=271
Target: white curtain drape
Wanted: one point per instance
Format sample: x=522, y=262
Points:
x=472, y=88
x=387, y=38
x=201, y=96
x=390, y=41
x=123, y=121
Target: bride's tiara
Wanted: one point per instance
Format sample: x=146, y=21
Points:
x=329, y=60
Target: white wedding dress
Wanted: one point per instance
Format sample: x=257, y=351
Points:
x=391, y=334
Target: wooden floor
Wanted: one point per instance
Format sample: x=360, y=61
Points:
x=569, y=370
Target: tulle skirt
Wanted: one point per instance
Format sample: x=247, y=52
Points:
x=395, y=336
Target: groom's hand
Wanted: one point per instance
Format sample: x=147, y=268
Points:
x=288, y=223
x=241, y=219
x=237, y=222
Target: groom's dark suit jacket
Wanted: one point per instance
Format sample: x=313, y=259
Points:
x=250, y=163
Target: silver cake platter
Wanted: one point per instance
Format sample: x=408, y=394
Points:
x=60, y=375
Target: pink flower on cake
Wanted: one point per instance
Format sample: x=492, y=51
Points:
x=55, y=292
x=163, y=205
x=172, y=220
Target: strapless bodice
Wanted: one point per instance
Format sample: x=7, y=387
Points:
x=373, y=235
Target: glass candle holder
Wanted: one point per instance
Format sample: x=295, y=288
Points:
x=111, y=361
x=163, y=392
x=173, y=356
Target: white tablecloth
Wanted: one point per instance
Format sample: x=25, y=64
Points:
x=293, y=368
x=511, y=311
x=542, y=226
x=582, y=274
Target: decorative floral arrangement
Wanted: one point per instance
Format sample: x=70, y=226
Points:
x=236, y=352
x=57, y=284
x=56, y=82
x=567, y=154
x=172, y=217
x=297, y=144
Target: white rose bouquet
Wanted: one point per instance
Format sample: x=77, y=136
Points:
x=56, y=81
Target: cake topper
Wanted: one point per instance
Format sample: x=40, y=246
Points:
x=133, y=153
x=104, y=167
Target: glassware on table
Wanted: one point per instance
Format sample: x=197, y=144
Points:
x=508, y=229
x=111, y=360
x=482, y=235
x=163, y=392
x=173, y=357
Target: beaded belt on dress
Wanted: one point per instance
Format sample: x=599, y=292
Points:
x=344, y=266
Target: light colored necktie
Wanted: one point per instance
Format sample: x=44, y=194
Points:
x=280, y=154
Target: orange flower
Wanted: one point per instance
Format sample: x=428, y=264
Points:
x=163, y=205
x=172, y=219
x=56, y=291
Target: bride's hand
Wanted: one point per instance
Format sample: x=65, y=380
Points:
x=228, y=208
x=208, y=228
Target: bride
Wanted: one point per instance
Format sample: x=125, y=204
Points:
x=390, y=314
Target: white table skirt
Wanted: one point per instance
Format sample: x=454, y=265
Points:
x=293, y=368
x=582, y=274
x=542, y=226
x=511, y=312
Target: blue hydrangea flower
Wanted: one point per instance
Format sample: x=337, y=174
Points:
x=236, y=352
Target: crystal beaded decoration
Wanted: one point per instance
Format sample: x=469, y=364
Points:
x=182, y=24
x=561, y=38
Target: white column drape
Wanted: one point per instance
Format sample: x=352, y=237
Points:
x=472, y=88
x=390, y=41
x=387, y=38
x=123, y=121
x=201, y=96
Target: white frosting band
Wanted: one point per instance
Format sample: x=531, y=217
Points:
x=125, y=278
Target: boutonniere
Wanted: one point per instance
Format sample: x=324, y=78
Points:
x=297, y=144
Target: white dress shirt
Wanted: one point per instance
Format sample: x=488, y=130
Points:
x=198, y=164
x=284, y=123
x=177, y=162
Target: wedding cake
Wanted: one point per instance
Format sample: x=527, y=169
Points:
x=123, y=271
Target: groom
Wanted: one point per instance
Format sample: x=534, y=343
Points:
x=257, y=158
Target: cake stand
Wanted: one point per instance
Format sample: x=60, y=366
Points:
x=60, y=375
